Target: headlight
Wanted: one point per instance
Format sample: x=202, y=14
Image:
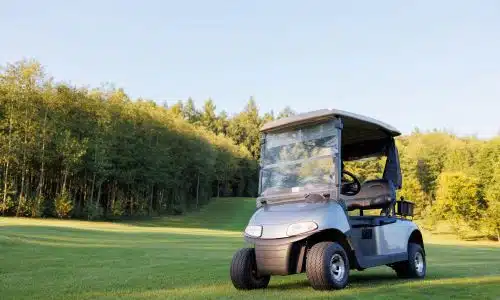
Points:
x=254, y=230
x=301, y=227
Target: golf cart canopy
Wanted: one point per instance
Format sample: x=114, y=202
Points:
x=359, y=127
x=361, y=136
x=358, y=137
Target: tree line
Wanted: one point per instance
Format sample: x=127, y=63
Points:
x=77, y=152
x=449, y=178
x=455, y=179
x=93, y=153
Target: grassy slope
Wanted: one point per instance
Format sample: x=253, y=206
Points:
x=181, y=258
x=222, y=214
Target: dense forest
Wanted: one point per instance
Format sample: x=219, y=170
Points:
x=77, y=152
x=91, y=153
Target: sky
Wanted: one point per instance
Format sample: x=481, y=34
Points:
x=412, y=64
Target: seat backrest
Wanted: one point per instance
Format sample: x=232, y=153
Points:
x=378, y=193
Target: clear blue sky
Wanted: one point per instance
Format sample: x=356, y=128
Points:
x=426, y=64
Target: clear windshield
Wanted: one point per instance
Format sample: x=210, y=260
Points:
x=301, y=160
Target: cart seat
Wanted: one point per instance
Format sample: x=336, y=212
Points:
x=374, y=194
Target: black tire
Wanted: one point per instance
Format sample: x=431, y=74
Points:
x=244, y=271
x=415, y=266
x=319, y=266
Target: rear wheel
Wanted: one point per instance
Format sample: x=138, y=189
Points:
x=244, y=271
x=327, y=266
x=415, y=266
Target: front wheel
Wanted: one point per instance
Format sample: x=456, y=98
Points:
x=244, y=271
x=327, y=266
x=415, y=266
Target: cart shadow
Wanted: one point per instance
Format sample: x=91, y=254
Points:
x=297, y=285
x=354, y=279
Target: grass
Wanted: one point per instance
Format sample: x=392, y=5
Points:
x=188, y=258
x=222, y=214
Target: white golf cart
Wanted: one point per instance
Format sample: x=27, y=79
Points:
x=305, y=219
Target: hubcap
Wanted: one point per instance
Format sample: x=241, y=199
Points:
x=419, y=262
x=337, y=267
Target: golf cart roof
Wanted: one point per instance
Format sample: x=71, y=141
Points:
x=359, y=125
x=356, y=128
x=361, y=137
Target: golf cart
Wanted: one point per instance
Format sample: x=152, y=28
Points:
x=306, y=218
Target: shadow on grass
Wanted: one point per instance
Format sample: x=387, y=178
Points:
x=355, y=279
x=295, y=285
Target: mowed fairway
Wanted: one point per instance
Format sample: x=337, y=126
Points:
x=189, y=257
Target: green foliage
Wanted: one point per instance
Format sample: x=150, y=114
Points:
x=492, y=214
x=412, y=190
x=63, y=204
x=98, y=153
x=208, y=118
x=119, y=157
x=37, y=206
x=244, y=128
x=492, y=220
x=6, y=204
x=117, y=208
x=94, y=212
x=366, y=169
x=457, y=200
x=286, y=112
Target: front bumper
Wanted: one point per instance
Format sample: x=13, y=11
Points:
x=283, y=256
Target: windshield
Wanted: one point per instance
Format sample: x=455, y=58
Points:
x=300, y=160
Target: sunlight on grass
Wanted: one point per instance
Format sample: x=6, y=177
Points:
x=446, y=239
x=113, y=227
x=429, y=238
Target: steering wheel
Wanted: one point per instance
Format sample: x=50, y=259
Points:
x=350, y=188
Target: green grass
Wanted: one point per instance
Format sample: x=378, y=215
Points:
x=189, y=257
x=223, y=214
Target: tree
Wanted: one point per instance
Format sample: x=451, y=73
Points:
x=221, y=123
x=492, y=214
x=244, y=128
x=286, y=112
x=412, y=191
x=208, y=118
x=75, y=152
x=457, y=200
x=67, y=151
x=268, y=116
x=177, y=109
x=190, y=113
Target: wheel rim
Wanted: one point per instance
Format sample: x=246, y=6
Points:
x=419, y=262
x=337, y=267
